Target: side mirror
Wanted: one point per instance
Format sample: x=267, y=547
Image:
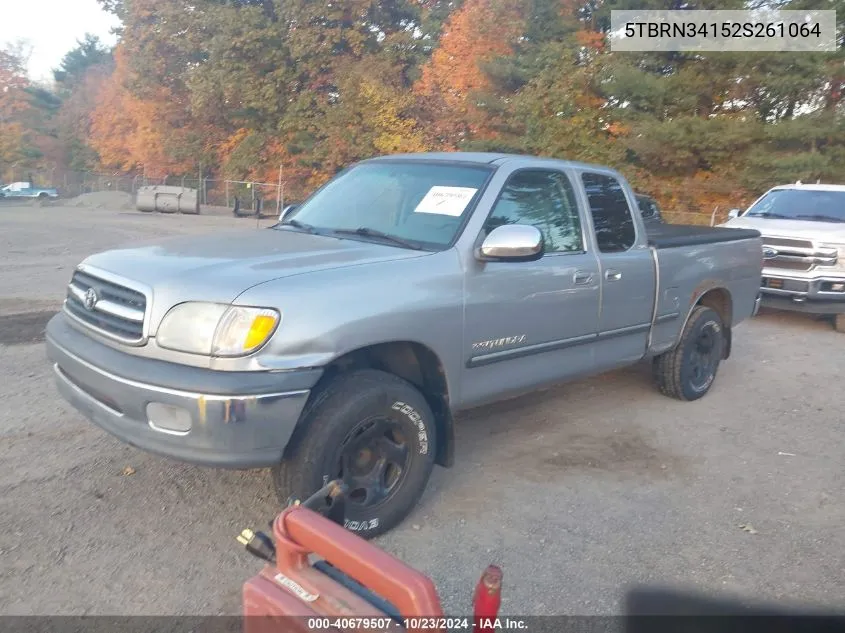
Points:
x=512, y=242
x=733, y=213
x=286, y=211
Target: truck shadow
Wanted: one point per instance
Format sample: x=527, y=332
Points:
x=581, y=429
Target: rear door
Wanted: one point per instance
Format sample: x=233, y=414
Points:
x=627, y=271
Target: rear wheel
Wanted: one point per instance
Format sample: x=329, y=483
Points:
x=374, y=431
x=687, y=372
x=42, y=195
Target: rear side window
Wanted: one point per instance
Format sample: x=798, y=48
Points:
x=648, y=208
x=612, y=217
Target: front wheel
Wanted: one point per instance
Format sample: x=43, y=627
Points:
x=687, y=372
x=374, y=431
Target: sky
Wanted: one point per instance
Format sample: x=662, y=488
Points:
x=50, y=28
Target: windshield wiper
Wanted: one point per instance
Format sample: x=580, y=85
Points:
x=298, y=225
x=364, y=231
x=768, y=214
x=820, y=217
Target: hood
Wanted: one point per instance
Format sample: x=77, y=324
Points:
x=220, y=267
x=821, y=232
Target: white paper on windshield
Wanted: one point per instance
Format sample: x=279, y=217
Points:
x=446, y=200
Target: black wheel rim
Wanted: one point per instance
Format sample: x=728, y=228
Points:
x=373, y=461
x=704, y=356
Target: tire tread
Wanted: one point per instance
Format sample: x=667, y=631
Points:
x=290, y=477
x=667, y=366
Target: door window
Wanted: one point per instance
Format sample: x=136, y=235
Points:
x=544, y=199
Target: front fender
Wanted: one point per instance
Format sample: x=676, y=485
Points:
x=328, y=314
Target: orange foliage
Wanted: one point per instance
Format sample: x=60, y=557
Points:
x=479, y=31
x=129, y=133
x=300, y=179
x=617, y=129
x=230, y=144
x=693, y=199
x=591, y=39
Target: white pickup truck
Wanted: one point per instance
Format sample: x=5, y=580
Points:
x=26, y=190
x=803, y=228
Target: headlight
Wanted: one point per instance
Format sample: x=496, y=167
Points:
x=215, y=329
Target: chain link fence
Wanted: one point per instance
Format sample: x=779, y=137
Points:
x=681, y=202
x=249, y=196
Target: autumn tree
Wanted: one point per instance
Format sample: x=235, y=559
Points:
x=13, y=104
x=453, y=80
x=246, y=86
x=78, y=80
x=130, y=133
x=27, y=138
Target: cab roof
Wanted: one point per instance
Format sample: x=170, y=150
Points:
x=809, y=187
x=487, y=158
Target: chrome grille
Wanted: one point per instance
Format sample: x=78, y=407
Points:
x=795, y=254
x=117, y=311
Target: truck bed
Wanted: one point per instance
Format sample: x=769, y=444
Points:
x=675, y=235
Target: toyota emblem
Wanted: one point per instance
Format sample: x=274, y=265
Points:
x=91, y=299
x=769, y=253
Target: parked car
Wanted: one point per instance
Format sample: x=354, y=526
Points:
x=649, y=209
x=340, y=342
x=26, y=190
x=803, y=228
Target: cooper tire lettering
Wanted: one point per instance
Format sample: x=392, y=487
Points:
x=716, y=327
x=360, y=526
x=416, y=419
x=339, y=409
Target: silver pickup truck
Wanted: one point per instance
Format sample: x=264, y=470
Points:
x=803, y=228
x=340, y=342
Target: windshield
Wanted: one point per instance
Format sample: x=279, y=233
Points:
x=800, y=204
x=420, y=203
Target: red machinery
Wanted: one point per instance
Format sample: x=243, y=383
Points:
x=355, y=586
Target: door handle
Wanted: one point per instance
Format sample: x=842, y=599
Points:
x=612, y=275
x=582, y=279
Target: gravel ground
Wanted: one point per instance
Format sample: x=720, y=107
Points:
x=577, y=492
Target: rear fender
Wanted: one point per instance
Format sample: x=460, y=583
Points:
x=698, y=295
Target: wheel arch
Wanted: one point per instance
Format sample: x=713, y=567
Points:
x=717, y=298
x=419, y=365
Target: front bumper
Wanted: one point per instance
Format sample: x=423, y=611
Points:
x=806, y=306
x=233, y=419
x=814, y=295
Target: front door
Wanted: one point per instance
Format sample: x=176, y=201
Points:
x=531, y=323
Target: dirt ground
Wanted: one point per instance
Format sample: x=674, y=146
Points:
x=577, y=492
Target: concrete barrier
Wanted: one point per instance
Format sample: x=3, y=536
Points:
x=167, y=199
